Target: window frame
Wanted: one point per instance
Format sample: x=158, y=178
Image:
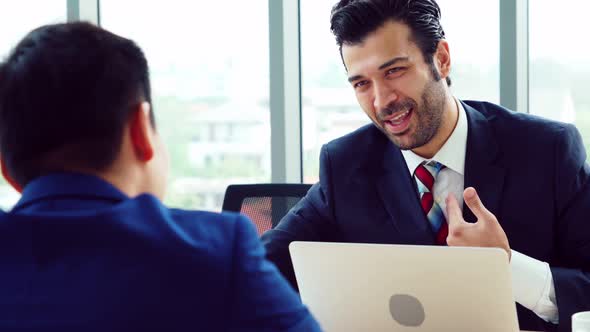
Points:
x=285, y=73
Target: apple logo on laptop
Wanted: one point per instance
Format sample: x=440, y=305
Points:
x=406, y=310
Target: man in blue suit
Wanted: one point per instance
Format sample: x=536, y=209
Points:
x=524, y=179
x=89, y=246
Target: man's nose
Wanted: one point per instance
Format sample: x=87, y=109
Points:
x=384, y=96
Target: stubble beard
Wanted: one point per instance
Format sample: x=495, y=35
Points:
x=427, y=115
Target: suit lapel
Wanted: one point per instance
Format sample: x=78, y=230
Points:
x=481, y=170
x=397, y=191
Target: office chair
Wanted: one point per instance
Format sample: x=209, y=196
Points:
x=264, y=204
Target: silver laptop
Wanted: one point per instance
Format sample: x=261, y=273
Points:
x=375, y=287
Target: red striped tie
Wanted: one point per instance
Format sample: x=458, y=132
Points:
x=425, y=175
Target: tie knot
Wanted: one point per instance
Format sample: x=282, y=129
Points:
x=433, y=166
x=426, y=173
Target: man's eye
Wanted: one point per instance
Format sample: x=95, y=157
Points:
x=395, y=70
x=360, y=84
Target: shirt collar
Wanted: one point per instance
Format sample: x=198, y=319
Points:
x=452, y=153
x=69, y=184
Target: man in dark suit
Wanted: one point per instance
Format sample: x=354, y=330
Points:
x=404, y=179
x=90, y=246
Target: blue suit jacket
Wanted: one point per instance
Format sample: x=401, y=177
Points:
x=79, y=255
x=530, y=172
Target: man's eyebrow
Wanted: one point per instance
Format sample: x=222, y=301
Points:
x=393, y=61
x=354, y=78
x=383, y=66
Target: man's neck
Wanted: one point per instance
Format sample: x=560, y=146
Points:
x=447, y=126
x=122, y=178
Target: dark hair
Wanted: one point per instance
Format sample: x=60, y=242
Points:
x=66, y=93
x=353, y=20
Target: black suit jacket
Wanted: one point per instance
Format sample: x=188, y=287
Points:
x=530, y=173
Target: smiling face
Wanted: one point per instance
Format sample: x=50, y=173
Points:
x=401, y=93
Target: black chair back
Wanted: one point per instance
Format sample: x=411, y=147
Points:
x=264, y=204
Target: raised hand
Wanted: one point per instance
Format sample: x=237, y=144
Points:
x=486, y=232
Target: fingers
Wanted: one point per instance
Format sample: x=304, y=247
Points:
x=454, y=213
x=486, y=232
x=472, y=200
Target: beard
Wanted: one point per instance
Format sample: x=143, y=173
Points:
x=428, y=115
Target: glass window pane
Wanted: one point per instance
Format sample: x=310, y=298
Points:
x=475, y=52
x=210, y=82
x=19, y=18
x=559, y=66
x=329, y=106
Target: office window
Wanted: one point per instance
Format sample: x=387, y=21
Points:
x=474, y=42
x=559, y=66
x=19, y=18
x=209, y=71
x=329, y=106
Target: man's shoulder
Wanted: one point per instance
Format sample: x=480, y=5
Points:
x=508, y=123
x=208, y=223
x=361, y=135
x=357, y=143
x=191, y=228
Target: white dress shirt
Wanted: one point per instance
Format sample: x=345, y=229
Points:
x=532, y=282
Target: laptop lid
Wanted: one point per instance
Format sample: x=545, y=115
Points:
x=378, y=287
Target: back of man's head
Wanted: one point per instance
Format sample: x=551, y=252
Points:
x=66, y=94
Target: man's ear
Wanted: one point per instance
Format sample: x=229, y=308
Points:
x=442, y=58
x=9, y=178
x=142, y=132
